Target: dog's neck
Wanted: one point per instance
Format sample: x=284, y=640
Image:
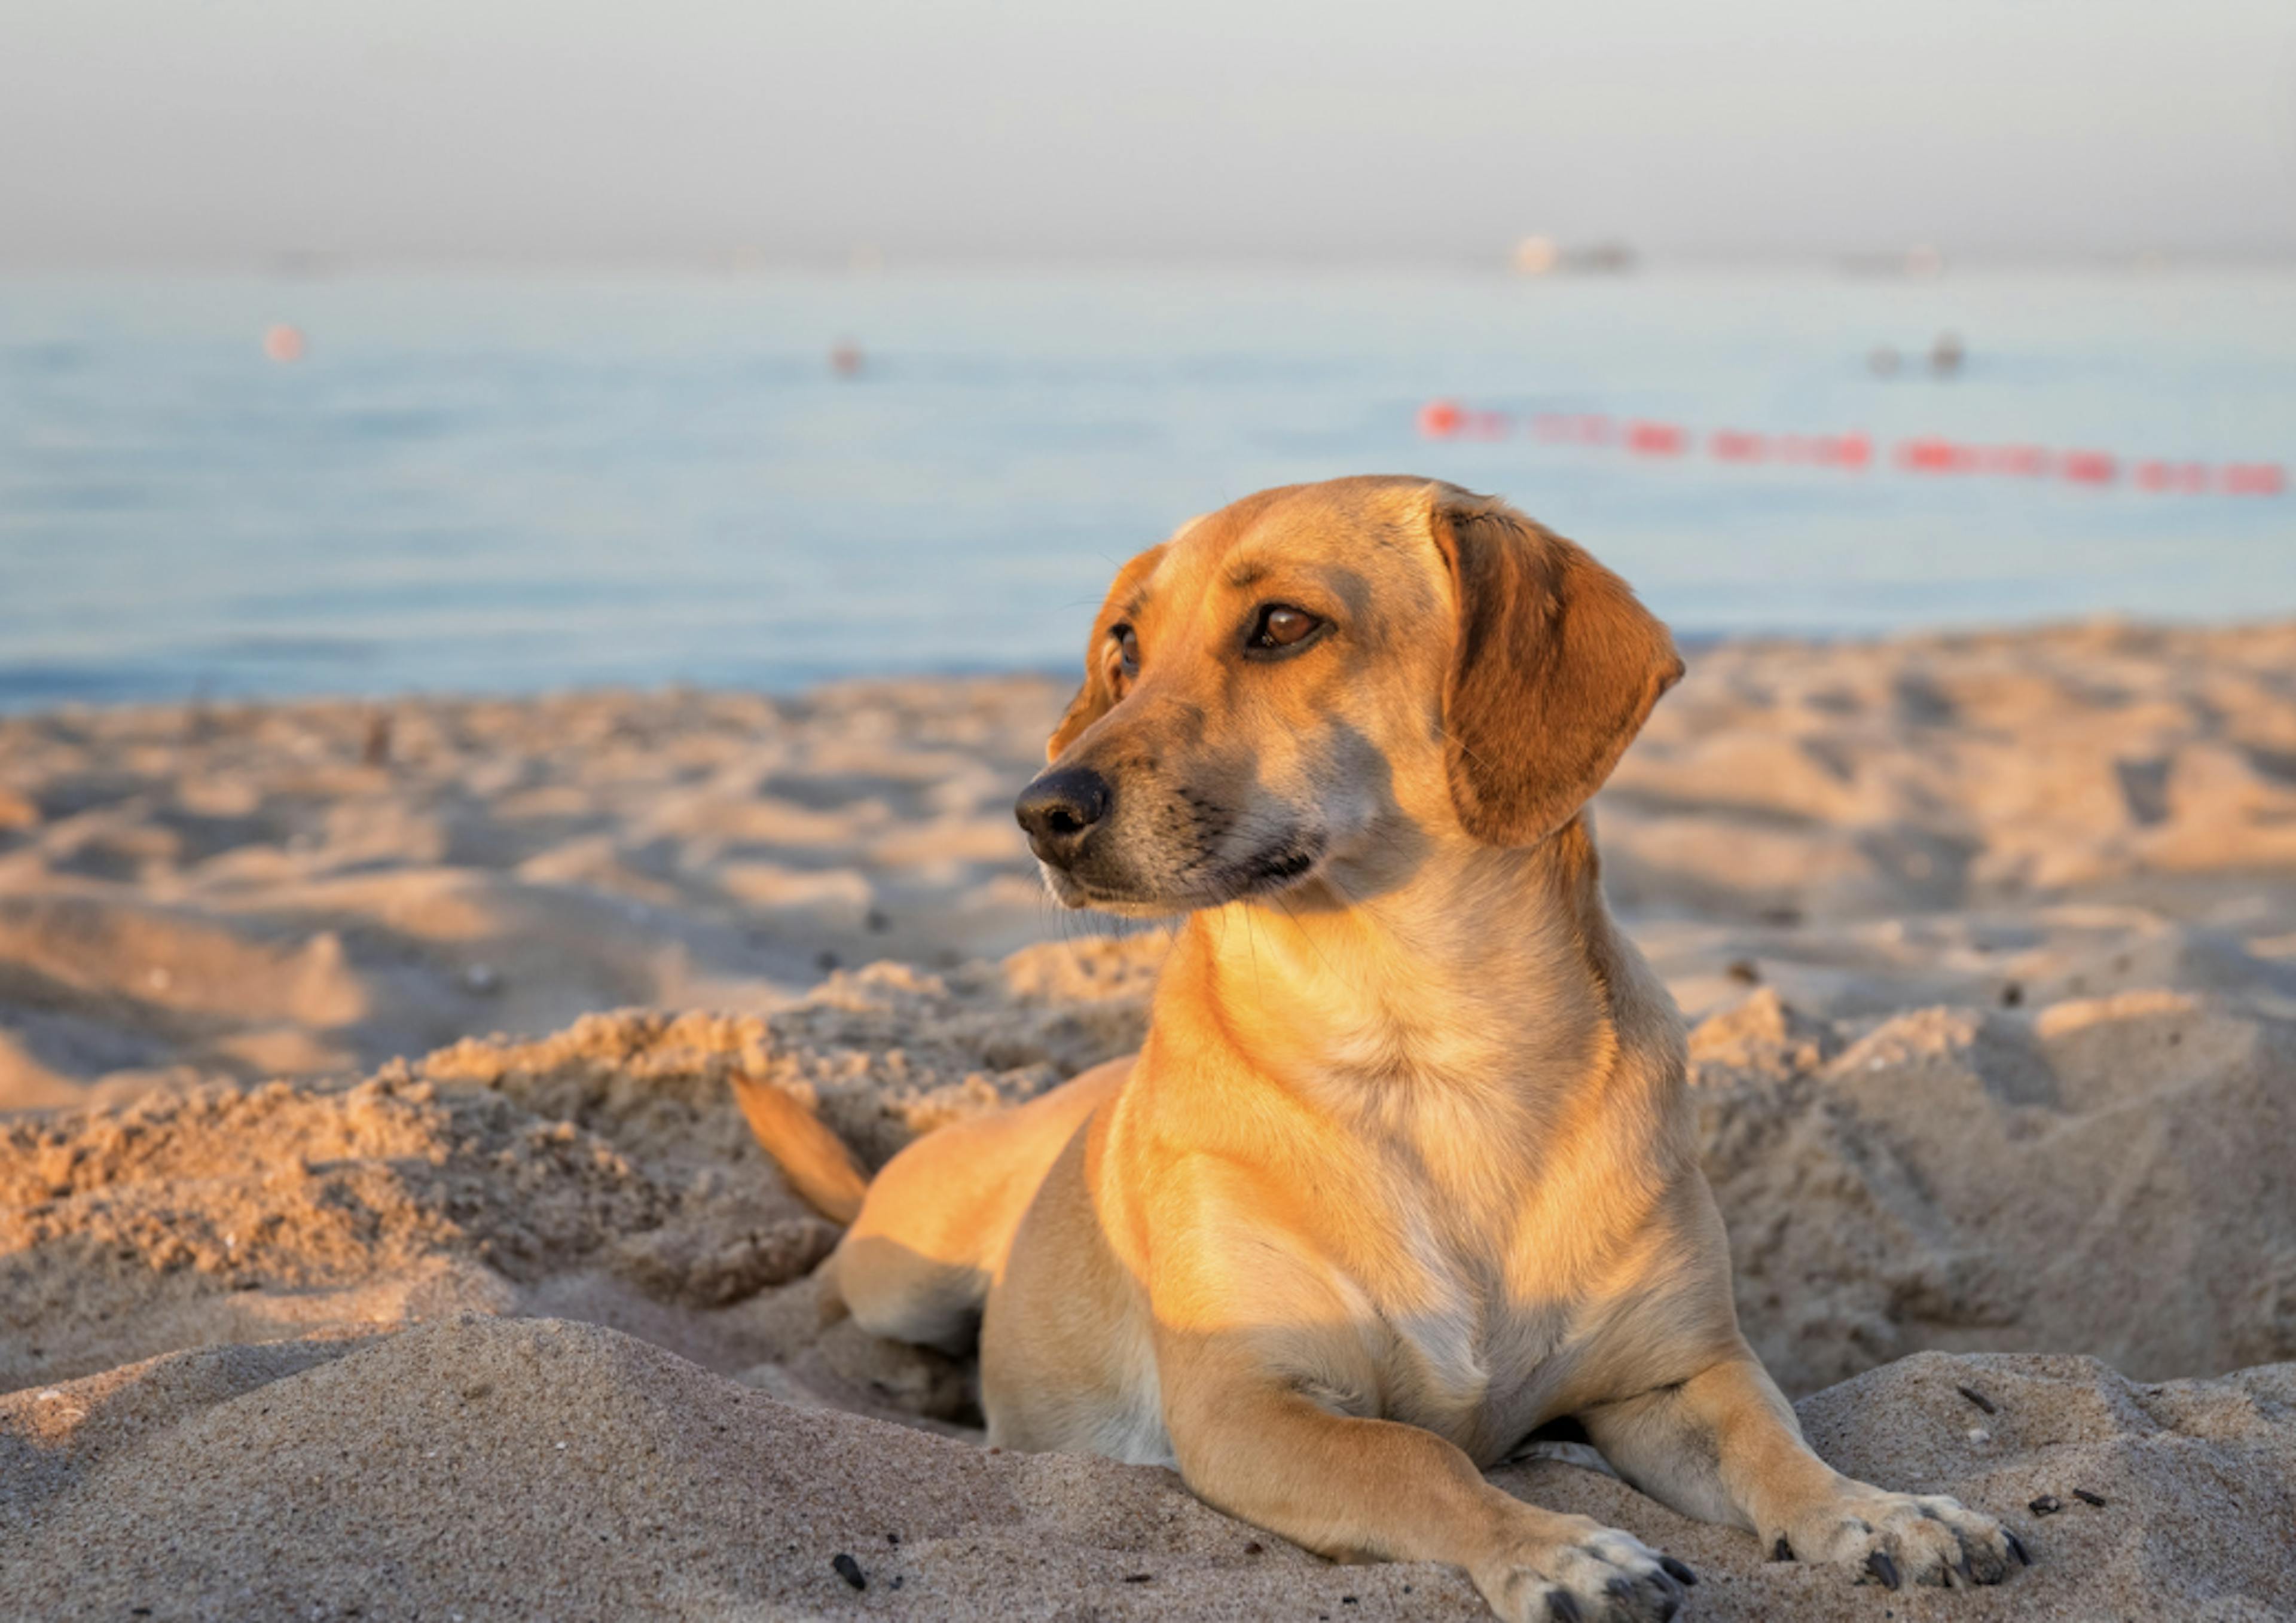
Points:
x=1488, y=975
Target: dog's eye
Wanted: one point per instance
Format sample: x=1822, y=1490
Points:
x=1128, y=649
x=1282, y=626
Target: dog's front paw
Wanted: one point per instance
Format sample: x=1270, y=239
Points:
x=1594, y=1574
x=1903, y=1539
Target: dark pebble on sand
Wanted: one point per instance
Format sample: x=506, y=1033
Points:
x=2086, y=1497
x=1745, y=972
x=1253, y=1548
x=1139, y=1577
x=2047, y=1504
x=1979, y=1398
x=849, y=1570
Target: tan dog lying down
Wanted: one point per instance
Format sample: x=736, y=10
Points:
x=1405, y=1168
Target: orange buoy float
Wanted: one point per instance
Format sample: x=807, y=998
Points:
x=1440, y=419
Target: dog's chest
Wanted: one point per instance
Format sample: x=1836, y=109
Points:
x=1467, y=1358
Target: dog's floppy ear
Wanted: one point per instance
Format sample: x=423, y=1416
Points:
x=1555, y=670
x=1101, y=688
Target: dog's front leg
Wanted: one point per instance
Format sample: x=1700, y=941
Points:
x=1724, y=1446
x=1357, y=1489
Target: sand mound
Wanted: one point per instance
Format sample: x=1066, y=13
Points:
x=483, y=1467
x=2106, y=1175
x=601, y=1172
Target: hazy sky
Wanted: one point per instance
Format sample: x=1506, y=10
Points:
x=1176, y=129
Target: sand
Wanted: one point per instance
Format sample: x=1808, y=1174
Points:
x=1989, y=945
x=313, y=889
x=486, y=1468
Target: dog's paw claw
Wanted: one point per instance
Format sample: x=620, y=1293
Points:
x=1603, y=1575
x=1895, y=1539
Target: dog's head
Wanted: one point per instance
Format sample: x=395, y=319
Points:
x=1321, y=679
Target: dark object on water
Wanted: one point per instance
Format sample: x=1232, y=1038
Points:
x=2012, y=993
x=845, y=358
x=1979, y=1398
x=849, y=1570
x=1946, y=355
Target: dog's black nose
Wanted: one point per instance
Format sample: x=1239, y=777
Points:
x=1058, y=809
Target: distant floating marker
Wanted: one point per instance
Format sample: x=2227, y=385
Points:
x=283, y=343
x=2254, y=479
x=845, y=359
x=1854, y=452
x=1440, y=419
x=1655, y=439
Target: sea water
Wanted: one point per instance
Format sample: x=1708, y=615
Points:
x=512, y=482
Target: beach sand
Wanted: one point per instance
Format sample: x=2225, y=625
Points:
x=316, y=1297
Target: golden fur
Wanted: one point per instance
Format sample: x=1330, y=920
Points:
x=1405, y=1168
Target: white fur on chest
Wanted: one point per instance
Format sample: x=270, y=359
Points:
x=1465, y=1361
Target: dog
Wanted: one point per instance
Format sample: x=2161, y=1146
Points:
x=1405, y=1170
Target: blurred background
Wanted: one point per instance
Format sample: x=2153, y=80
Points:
x=360, y=349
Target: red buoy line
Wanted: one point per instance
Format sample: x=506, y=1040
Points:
x=1856, y=451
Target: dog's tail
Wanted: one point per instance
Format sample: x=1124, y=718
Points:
x=814, y=1160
